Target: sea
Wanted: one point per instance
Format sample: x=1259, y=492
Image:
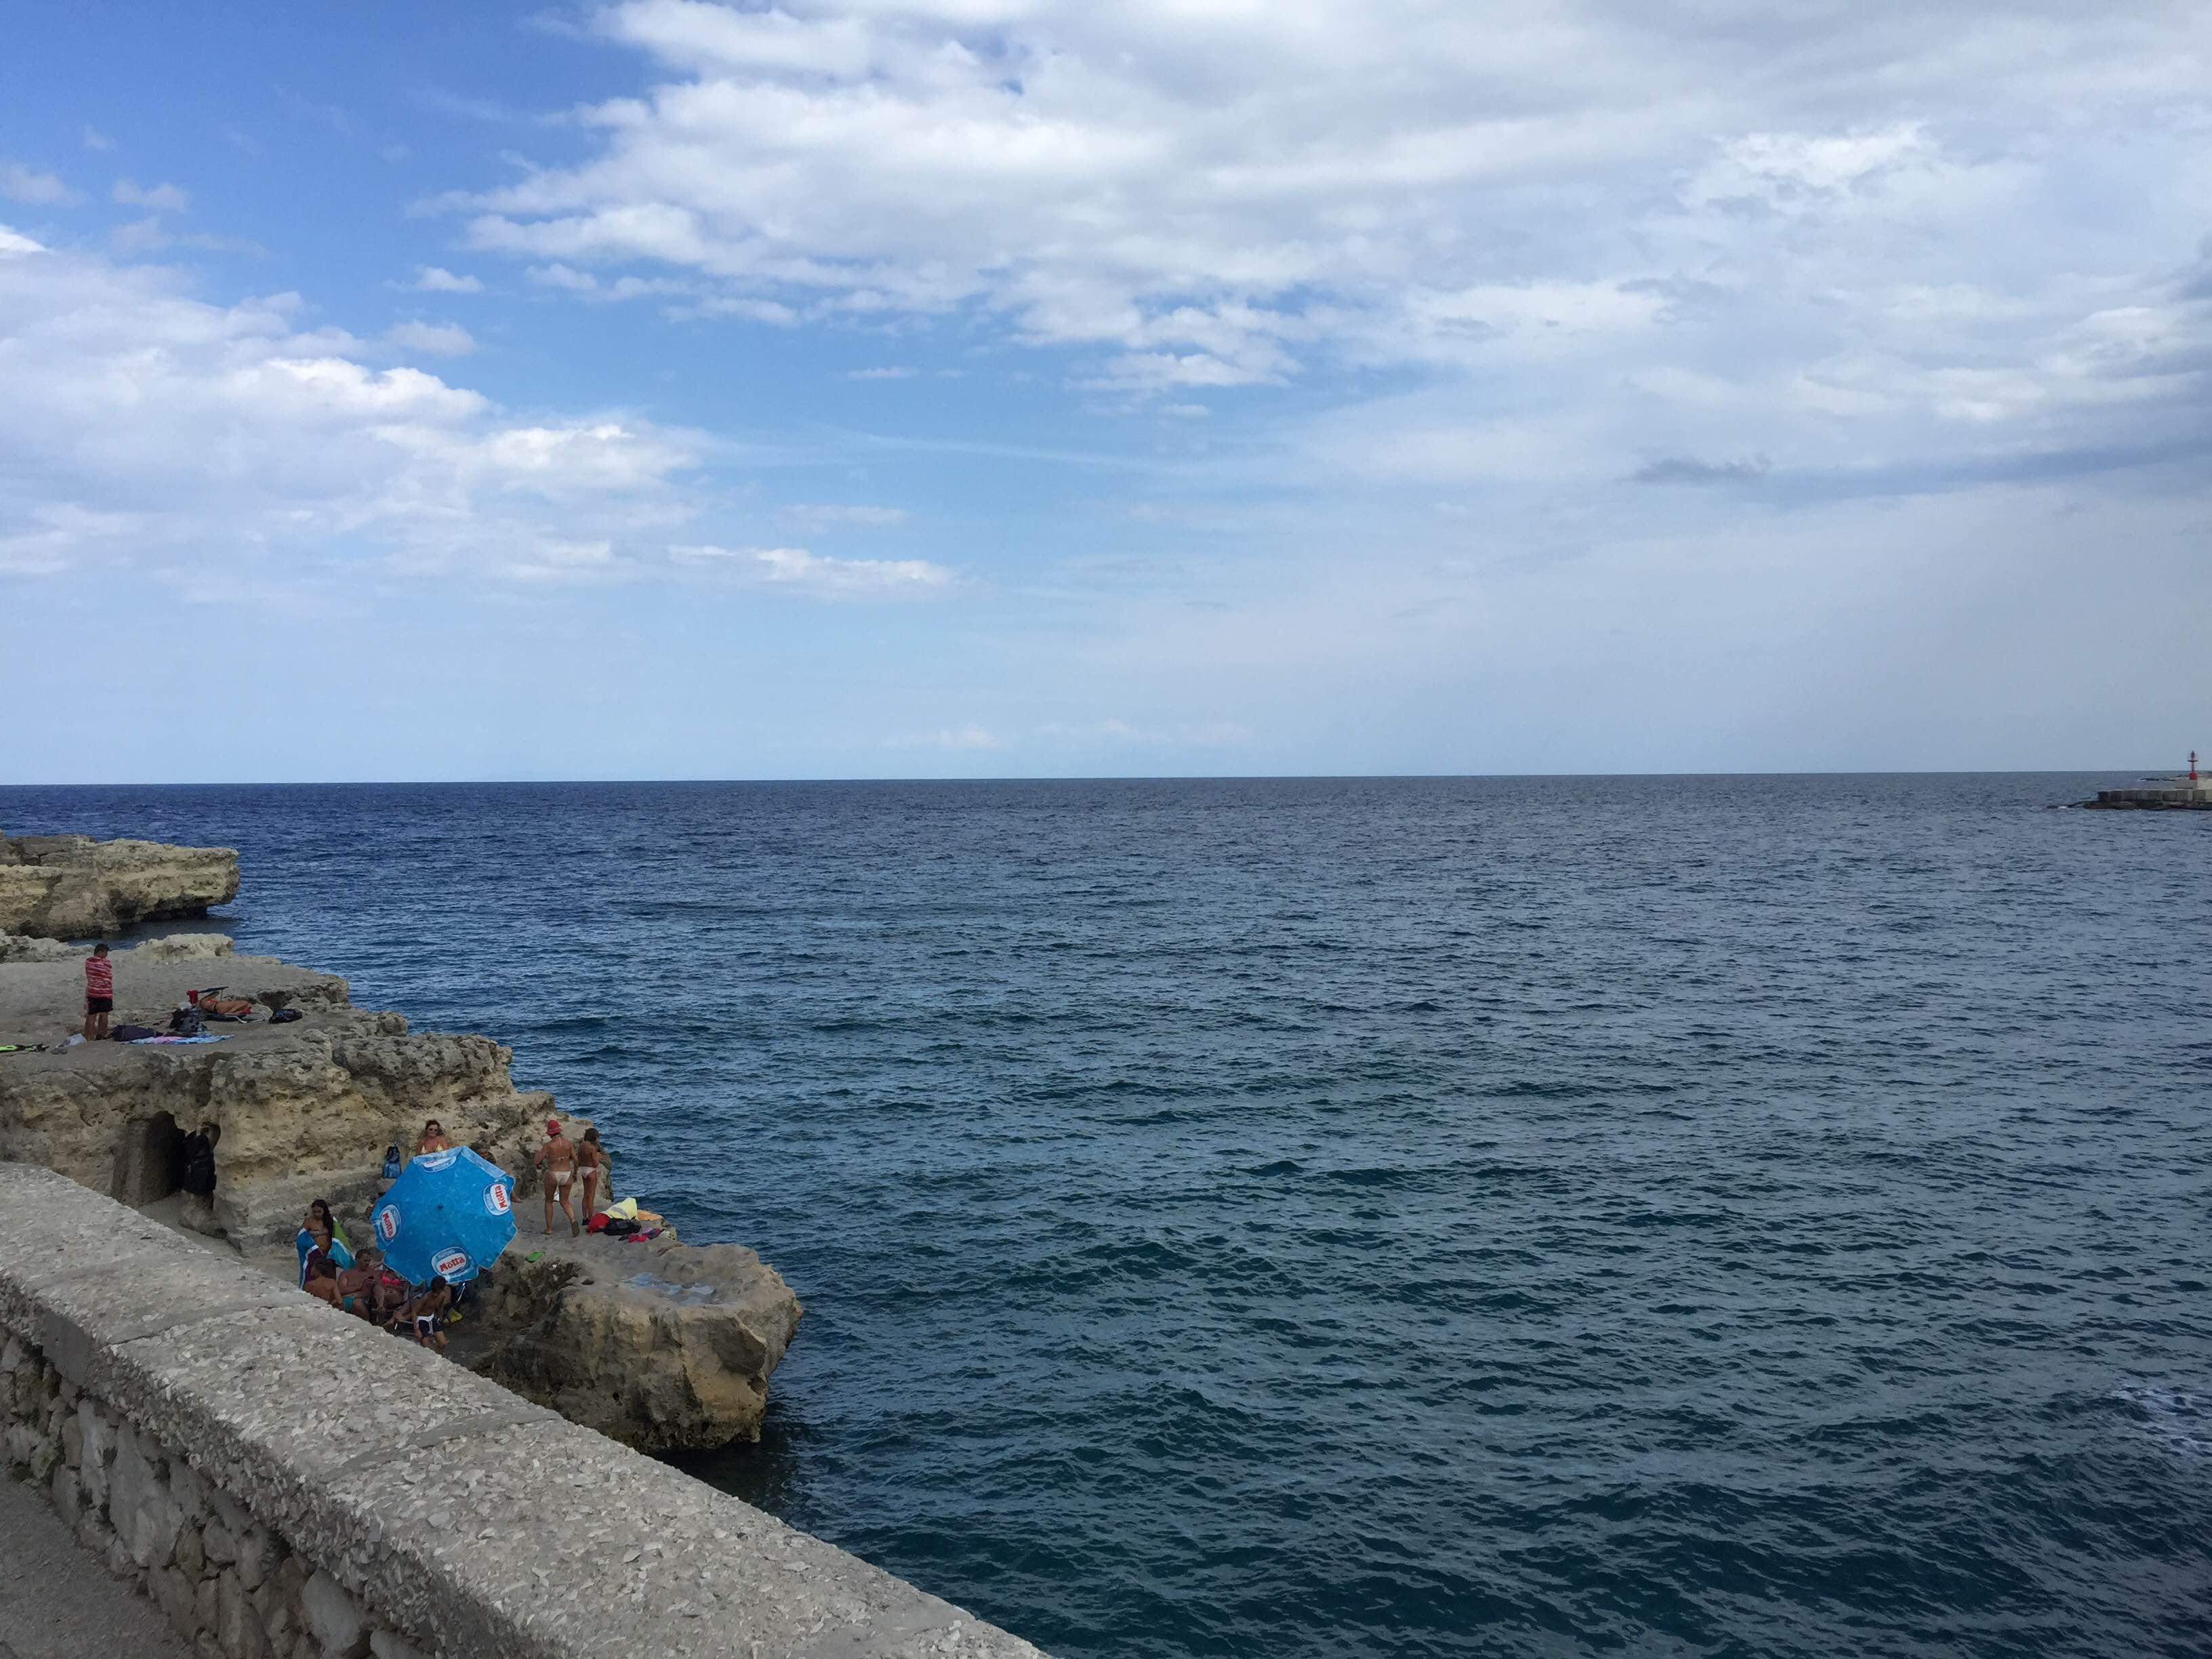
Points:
x=1748, y=1215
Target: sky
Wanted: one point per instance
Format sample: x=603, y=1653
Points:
x=860, y=388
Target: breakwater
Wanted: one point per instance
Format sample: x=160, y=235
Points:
x=289, y=1484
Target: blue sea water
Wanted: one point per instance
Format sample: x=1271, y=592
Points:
x=1745, y=1216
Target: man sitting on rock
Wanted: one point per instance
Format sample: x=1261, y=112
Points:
x=357, y=1284
x=558, y=1155
x=322, y=1280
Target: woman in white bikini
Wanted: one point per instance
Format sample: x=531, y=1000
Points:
x=594, y=1161
x=558, y=1155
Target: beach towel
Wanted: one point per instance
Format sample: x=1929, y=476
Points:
x=142, y=1042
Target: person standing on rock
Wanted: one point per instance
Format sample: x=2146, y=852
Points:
x=99, y=994
x=593, y=1160
x=558, y=1155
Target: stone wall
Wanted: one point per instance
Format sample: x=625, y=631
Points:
x=285, y=1481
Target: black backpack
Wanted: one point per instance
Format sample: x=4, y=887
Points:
x=186, y=1022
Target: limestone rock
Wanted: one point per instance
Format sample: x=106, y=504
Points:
x=187, y=947
x=335, y=1617
x=72, y=886
x=306, y=1109
x=661, y=1346
x=21, y=947
x=657, y=1344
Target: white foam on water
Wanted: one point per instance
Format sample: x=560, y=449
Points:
x=2180, y=1421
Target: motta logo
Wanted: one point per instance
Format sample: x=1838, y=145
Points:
x=450, y=1264
x=387, y=1223
x=496, y=1200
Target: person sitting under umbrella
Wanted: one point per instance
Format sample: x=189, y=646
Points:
x=321, y=1282
x=319, y=1231
x=424, y=1318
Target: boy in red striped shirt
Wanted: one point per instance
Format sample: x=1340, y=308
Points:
x=99, y=994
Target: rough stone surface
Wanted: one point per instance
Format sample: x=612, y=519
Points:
x=659, y=1344
x=386, y=1484
x=334, y=1617
x=20, y=947
x=57, y=1602
x=306, y=1109
x=74, y=887
x=662, y=1345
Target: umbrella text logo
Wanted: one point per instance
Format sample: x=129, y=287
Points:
x=450, y=1264
x=387, y=1223
x=495, y=1198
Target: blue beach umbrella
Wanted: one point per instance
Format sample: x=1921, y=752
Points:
x=448, y=1215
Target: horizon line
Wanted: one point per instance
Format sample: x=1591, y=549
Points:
x=1100, y=777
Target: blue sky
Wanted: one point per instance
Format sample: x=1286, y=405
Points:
x=921, y=387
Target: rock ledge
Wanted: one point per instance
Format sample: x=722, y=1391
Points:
x=74, y=887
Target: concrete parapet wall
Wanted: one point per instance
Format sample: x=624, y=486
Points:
x=372, y=1497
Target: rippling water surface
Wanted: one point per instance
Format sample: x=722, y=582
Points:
x=1760, y=1216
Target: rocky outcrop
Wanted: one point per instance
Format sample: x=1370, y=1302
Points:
x=74, y=887
x=659, y=1344
x=306, y=1109
x=21, y=947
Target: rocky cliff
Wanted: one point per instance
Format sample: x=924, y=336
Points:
x=74, y=887
x=679, y=1358
x=659, y=1344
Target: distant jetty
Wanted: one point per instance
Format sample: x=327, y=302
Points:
x=2185, y=794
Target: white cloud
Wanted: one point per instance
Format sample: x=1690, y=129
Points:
x=830, y=515
x=955, y=737
x=800, y=571
x=19, y=183
x=162, y=198
x=142, y=424
x=1221, y=195
x=587, y=286
x=435, y=279
x=95, y=139
x=1115, y=731
x=438, y=339
x=139, y=236
x=890, y=372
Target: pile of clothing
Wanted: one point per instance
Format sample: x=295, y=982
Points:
x=625, y=1220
